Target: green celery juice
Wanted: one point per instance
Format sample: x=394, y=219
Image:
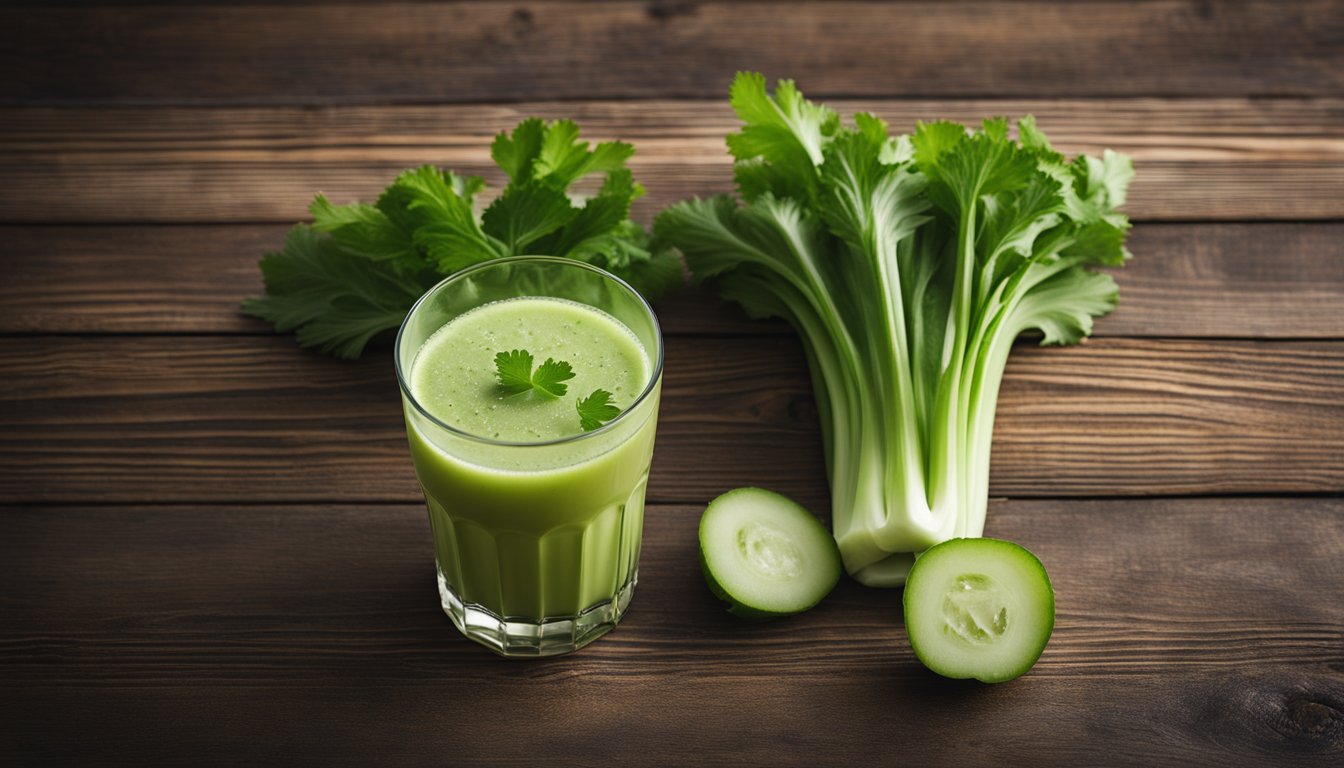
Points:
x=532, y=517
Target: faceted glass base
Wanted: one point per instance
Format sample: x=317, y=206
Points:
x=529, y=638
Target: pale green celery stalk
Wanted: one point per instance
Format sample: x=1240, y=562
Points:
x=908, y=265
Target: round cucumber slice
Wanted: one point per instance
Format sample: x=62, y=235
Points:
x=979, y=608
x=764, y=555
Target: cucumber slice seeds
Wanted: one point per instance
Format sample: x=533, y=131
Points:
x=764, y=555
x=979, y=608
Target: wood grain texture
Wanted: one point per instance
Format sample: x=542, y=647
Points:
x=1266, y=280
x=254, y=419
x=214, y=548
x=1196, y=159
x=1189, y=632
x=474, y=51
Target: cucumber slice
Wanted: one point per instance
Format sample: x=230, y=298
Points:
x=764, y=555
x=980, y=608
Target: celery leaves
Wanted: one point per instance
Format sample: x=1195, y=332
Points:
x=357, y=269
x=908, y=264
x=335, y=301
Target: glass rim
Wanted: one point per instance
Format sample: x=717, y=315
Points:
x=654, y=377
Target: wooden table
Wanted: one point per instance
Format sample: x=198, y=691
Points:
x=212, y=543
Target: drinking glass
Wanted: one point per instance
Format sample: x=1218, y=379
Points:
x=536, y=543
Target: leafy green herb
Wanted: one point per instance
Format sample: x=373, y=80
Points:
x=596, y=410
x=334, y=300
x=908, y=264
x=514, y=370
x=357, y=269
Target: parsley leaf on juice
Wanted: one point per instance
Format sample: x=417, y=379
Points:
x=515, y=374
x=596, y=410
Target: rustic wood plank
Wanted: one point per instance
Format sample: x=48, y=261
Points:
x=254, y=419
x=132, y=279
x=1200, y=159
x=169, y=633
x=268, y=569
x=1232, y=718
x=1266, y=280
x=474, y=51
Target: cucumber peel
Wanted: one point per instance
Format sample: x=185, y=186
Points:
x=764, y=555
x=979, y=608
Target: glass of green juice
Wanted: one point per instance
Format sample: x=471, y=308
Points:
x=536, y=522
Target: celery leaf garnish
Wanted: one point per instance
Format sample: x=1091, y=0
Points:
x=515, y=374
x=596, y=409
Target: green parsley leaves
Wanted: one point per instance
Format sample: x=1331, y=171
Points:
x=596, y=410
x=357, y=269
x=513, y=370
x=335, y=301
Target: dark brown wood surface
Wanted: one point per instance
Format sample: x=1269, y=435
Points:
x=212, y=543
x=1232, y=158
x=485, y=51
x=220, y=635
